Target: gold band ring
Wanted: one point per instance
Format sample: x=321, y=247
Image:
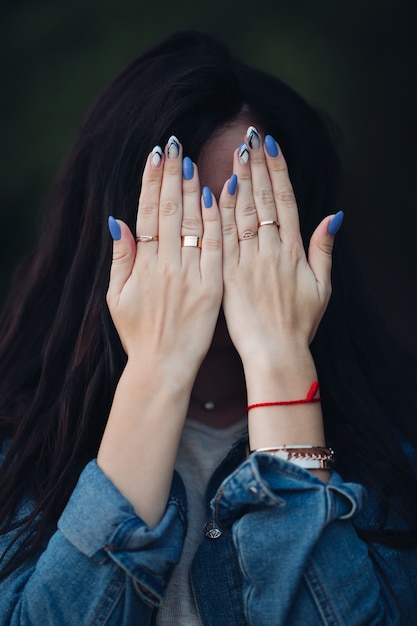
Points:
x=191, y=241
x=268, y=223
x=248, y=234
x=146, y=238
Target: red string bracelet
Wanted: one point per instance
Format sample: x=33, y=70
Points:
x=310, y=398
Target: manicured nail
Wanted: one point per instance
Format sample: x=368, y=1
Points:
x=156, y=156
x=232, y=186
x=187, y=168
x=243, y=154
x=207, y=198
x=254, y=139
x=335, y=223
x=271, y=146
x=173, y=147
x=114, y=228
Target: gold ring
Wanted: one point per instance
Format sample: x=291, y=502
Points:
x=146, y=238
x=248, y=234
x=191, y=241
x=268, y=223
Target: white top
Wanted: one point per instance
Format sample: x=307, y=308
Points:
x=201, y=449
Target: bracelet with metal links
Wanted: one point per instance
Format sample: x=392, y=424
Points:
x=306, y=456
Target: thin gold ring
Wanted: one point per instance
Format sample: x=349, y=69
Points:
x=248, y=234
x=268, y=223
x=146, y=238
x=191, y=241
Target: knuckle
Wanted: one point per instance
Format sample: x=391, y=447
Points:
x=228, y=204
x=148, y=208
x=286, y=197
x=212, y=243
x=326, y=247
x=120, y=257
x=229, y=230
x=257, y=157
x=245, y=174
x=168, y=271
x=325, y=294
x=294, y=250
x=168, y=207
x=172, y=169
x=189, y=190
x=248, y=210
x=153, y=176
x=265, y=196
x=278, y=165
x=192, y=225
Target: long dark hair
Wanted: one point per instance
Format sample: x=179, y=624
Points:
x=60, y=356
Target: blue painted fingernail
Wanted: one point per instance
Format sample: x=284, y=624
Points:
x=271, y=146
x=187, y=168
x=232, y=186
x=114, y=229
x=335, y=223
x=207, y=198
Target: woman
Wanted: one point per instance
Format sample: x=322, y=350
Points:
x=212, y=305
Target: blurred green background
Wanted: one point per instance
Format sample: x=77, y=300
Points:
x=354, y=59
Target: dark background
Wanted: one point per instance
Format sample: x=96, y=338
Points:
x=356, y=60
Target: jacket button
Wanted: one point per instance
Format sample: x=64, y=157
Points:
x=211, y=532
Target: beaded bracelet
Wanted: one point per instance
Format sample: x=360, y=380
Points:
x=310, y=398
x=308, y=457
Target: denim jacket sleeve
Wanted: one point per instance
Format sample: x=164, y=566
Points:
x=102, y=565
x=301, y=559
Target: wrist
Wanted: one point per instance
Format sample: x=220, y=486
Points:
x=271, y=376
x=270, y=381
x=158, y=373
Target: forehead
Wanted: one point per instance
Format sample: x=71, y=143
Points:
x=215, y=164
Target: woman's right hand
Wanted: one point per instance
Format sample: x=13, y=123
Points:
x=164, y=297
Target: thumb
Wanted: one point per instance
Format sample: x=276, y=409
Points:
x=321, y=248
x=124, y=253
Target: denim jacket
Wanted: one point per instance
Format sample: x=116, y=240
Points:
x=280, y=548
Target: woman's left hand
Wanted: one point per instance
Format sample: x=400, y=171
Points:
x=274, y=295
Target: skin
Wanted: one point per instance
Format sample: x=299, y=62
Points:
x=231, y=322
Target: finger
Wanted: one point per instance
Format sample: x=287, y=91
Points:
x=170, y=204
x=192, y=221
x=211, y=251
x=124, y=253
x=262, y=189
x=245, y=212
x=148, y=209
x=227, y=204
x=287, y=210
x=320, y=251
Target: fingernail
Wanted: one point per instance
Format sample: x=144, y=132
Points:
x=254, y=139
x=243, y=154
x=156, y=156
x=114, y=228
x=207, y=198
x=232, y=186
x=271, y=146
x=173, y=147
x=335, y=223
x=187, y=168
